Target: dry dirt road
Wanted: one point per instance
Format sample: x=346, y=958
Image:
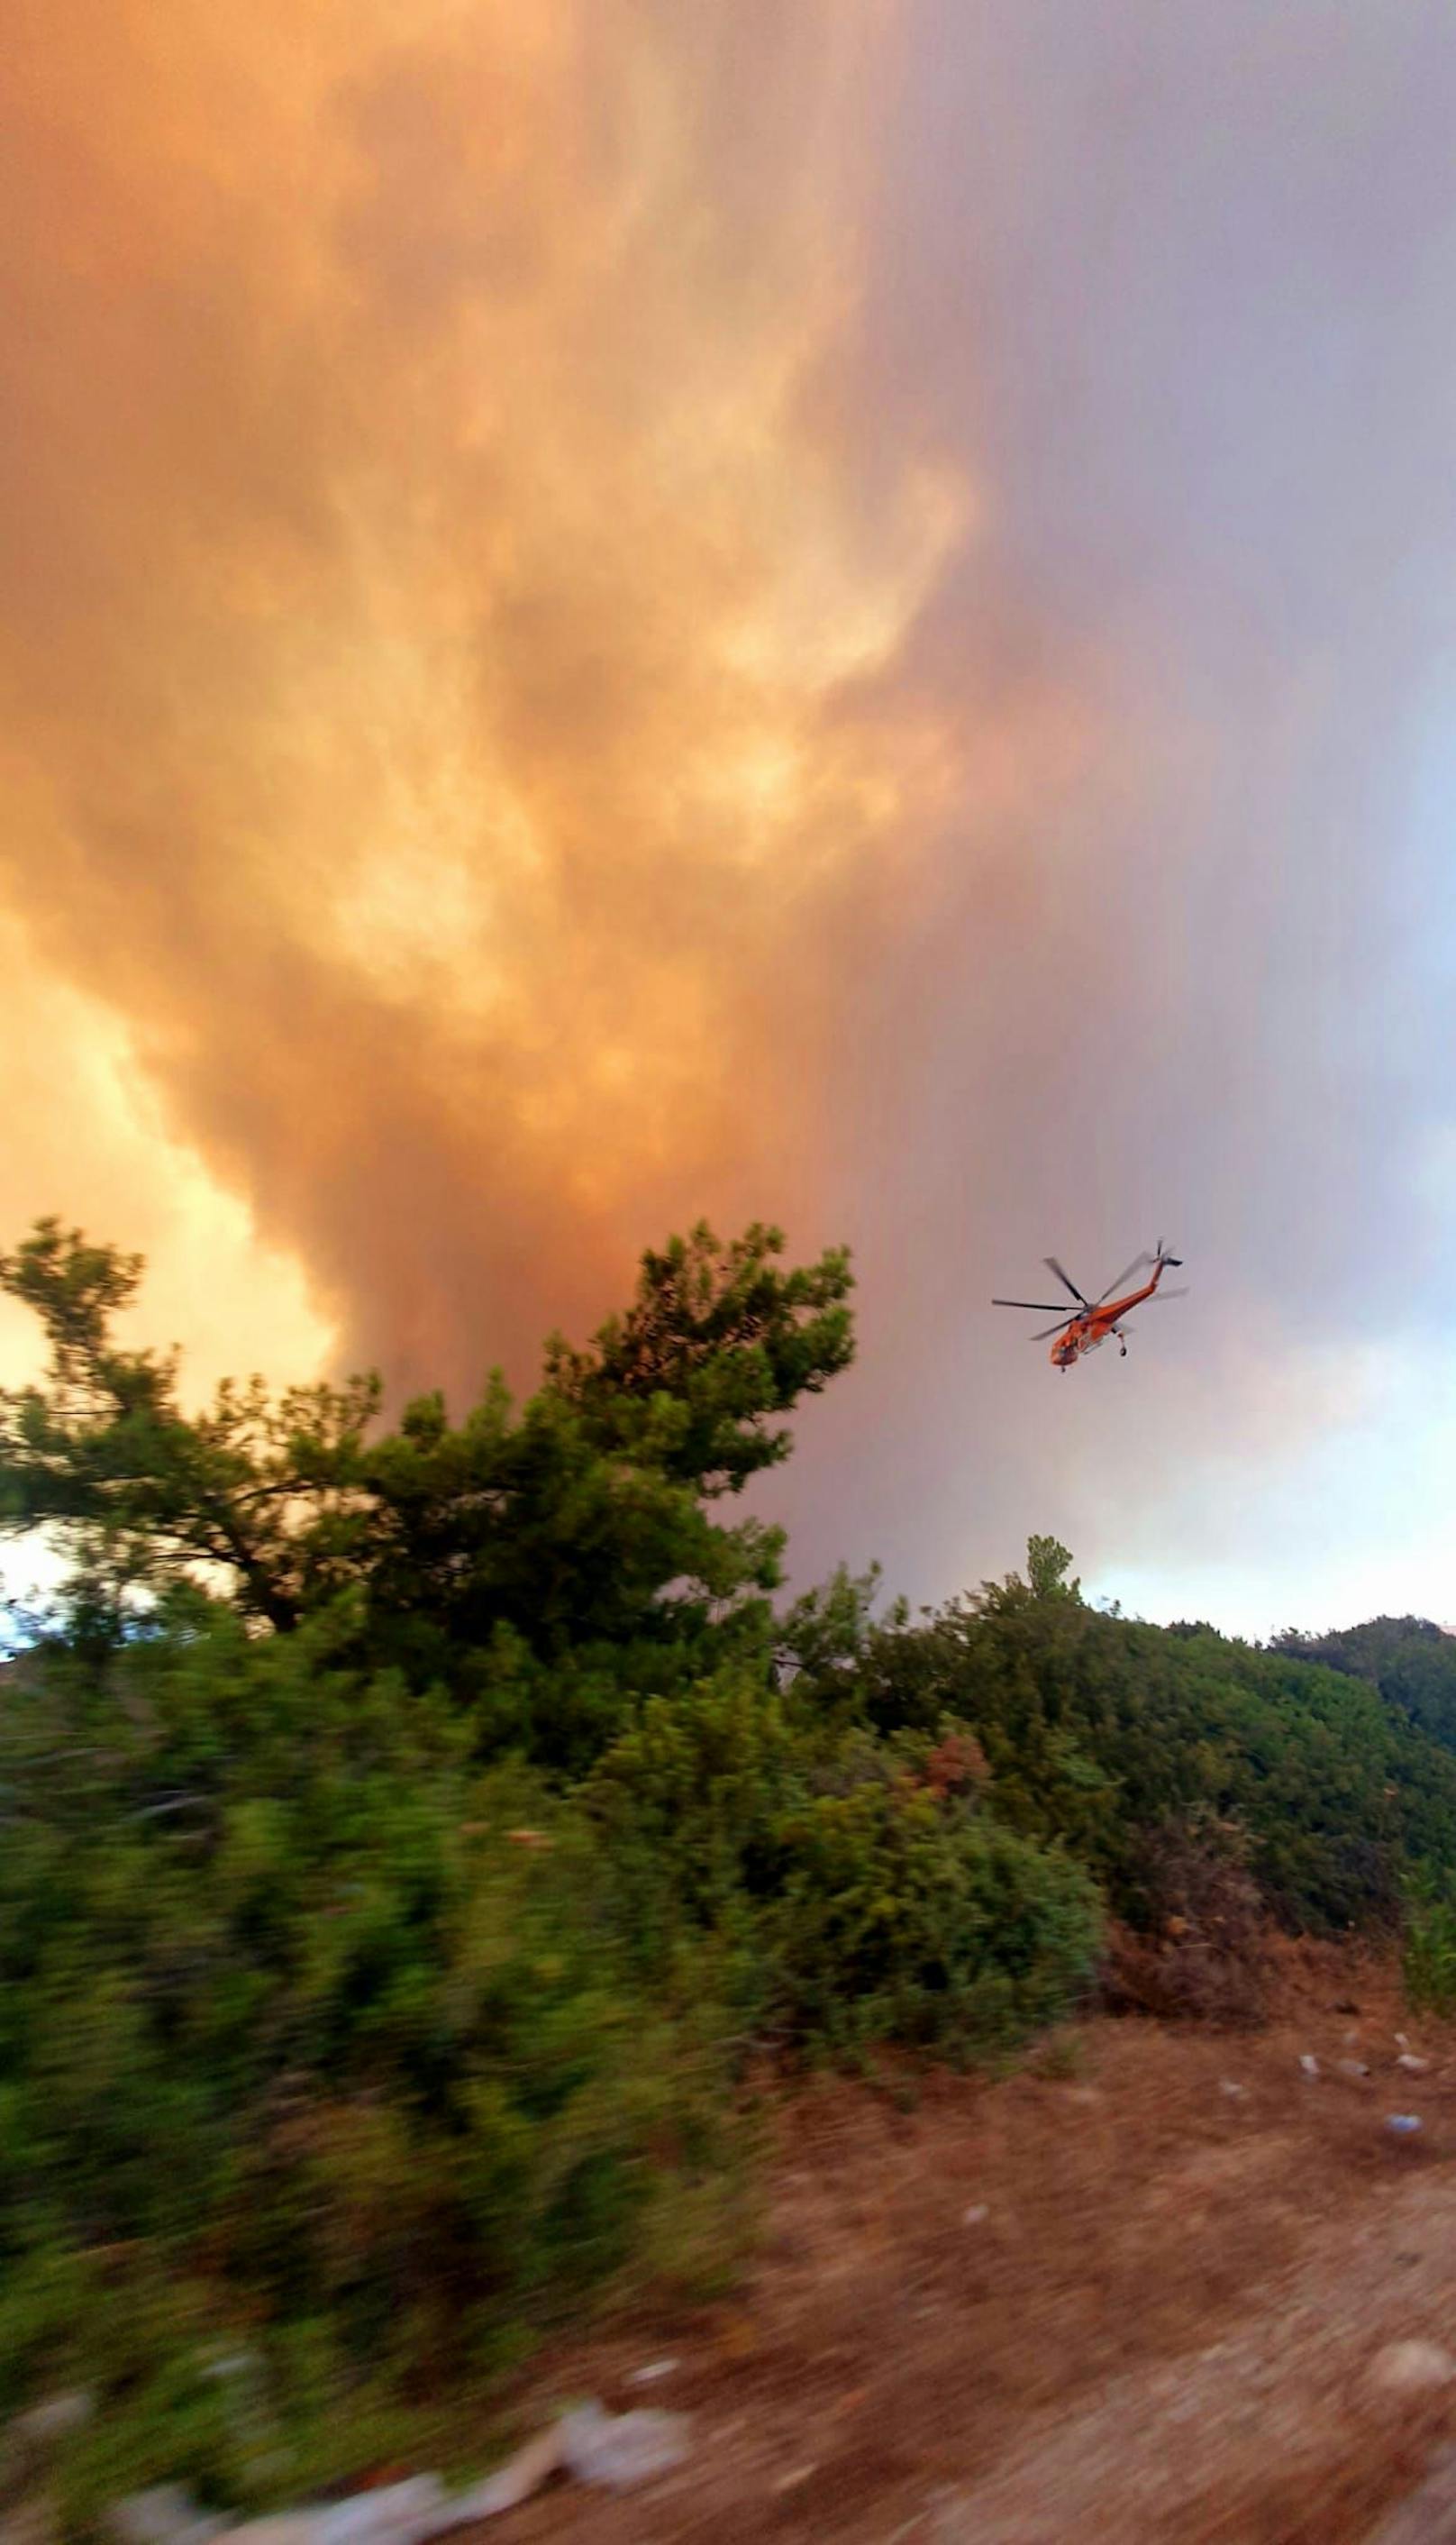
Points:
x=1107, y=2300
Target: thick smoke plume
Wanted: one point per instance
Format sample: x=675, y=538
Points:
x=620, y=608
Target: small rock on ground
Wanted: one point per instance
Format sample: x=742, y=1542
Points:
x=401, y=2513
x=515, y=2480
x=622, y=2452
x=1411, y=2368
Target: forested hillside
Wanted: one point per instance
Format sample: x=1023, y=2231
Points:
x=1409, y=1660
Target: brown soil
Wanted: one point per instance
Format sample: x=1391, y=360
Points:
x=1159, y=2332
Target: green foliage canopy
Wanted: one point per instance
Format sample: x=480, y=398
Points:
x=1409, y=1660
x=1104, y=1734
x=579, y=1521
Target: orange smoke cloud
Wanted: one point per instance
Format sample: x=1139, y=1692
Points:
x=449, y=731
x=622, y=609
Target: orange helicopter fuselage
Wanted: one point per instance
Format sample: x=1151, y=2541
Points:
x=1086, y=1332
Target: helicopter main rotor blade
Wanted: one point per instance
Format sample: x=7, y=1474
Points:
x=1066, y=1280
x=1125, y=1274
x=1164, y=1294
x=1059, y=1328
x=1045, y=1305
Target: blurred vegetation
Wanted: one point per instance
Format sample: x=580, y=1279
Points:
x=416, y=1840
x=1430, y=1958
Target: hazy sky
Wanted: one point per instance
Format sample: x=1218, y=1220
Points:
x=833, y=609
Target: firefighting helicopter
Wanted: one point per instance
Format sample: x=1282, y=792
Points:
x=1093, y=1320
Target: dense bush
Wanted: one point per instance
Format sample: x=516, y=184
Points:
x=318, y=2038
x=908, y=1916
x=851, y=1888
x=1104, y=1734
x=300, y=2011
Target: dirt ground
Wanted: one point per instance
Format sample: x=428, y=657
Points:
x=1108, y=2298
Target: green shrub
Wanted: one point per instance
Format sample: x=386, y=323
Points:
x=1428, y=1960
x=910, y=1917
x=847, y=1888
x=301, y=2014
x=1105, y=1734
